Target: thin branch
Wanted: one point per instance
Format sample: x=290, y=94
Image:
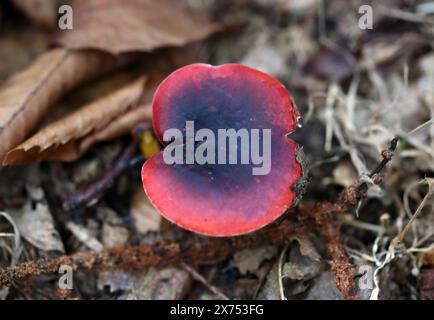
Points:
x=198, y=277
x=95, y=191
x=399, y=239
x=192, y=248
x=387, y=156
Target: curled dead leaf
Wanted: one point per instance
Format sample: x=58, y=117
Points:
x=36, y=225
x=122, y=125
x=60, y=140
x=118, y=26
x=26, y=96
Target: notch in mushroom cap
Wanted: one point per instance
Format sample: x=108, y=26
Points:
x=223, y=199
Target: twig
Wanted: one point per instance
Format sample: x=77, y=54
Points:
x=405, y=15
x=280, y=267
x=262, y=280
x=424, y=125
x=341, y=266
x=198, y=277
x=399, y=239
x=387, y=156
x=10, y=235
x=350, y=221
x=324, y=214
x=97, y=189
x=16, y=251
x=192, y=248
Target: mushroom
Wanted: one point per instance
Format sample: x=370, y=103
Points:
x=223, y=198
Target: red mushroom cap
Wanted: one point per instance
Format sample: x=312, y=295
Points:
x=223, y=199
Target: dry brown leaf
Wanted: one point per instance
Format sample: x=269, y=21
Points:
x=133, y=25
x=121, y=126
x=90, y=92
x=152, y=284
x=72, y=150
x=88, y=119
x=19, y=44
x=26, y=96
x=36, y=225
x=41, y=12
x=249, y=260
x=114, y=231
x=170, y=283
x=146, y=218
x=324, y=288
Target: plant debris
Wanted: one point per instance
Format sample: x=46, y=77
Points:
x=76, y=114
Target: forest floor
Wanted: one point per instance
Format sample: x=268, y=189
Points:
x=72, y=194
